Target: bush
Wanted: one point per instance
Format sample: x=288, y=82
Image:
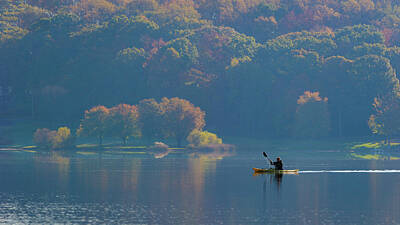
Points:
x=201, y=138
x=44, y=137
x=63, y=138
x=51, y=139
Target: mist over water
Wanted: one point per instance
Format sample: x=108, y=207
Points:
x=196, y=188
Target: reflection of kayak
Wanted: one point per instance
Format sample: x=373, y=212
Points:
x=270, y=170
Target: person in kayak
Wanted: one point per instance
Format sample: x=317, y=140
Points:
x=278, y=164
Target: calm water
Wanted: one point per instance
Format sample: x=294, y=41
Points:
x=212, y=188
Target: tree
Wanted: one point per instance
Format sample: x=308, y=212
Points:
x=349, y=37
x=43, y=138
x=374, y=77
x=63, y=138
x=337, y=83
x=10, y=32
x=95, y=123
x=199, y=138
x=140, y=6
x=124, y=122
x=386, y=119
x=312, y=116
x=93, y=10
x=181, y=117
x=150, y=119
x=53, y=139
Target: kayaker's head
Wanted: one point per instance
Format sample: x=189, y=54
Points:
x=278, y=159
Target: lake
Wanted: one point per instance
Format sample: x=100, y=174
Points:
x=135, y=187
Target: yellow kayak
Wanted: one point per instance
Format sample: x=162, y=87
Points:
x=271, y=170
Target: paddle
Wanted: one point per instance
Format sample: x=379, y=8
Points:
x=265, y=155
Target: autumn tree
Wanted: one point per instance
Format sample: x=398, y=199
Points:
x=53, y=139
x=124, y=122
x=312, y=116
x=181, y=117
x=95, y=123
x=43, y=137
x=63, y=138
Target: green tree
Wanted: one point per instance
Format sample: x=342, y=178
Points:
x=337, y=83
x=124, y=122
x=386, y=118
x=95, y=123
x=150, y=119
x=348, y=37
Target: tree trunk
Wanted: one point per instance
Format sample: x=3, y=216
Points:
x=124, y=140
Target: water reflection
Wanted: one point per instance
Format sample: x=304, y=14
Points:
x=274, y=178
x=54, y=165
x=278, y=180
x=193, y=187
x=159, y=153
x=217, y=152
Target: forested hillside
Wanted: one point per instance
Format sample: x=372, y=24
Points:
x=277, y=68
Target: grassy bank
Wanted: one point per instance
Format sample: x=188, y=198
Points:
x=19, y=132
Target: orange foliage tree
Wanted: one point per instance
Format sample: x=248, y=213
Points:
x=181, y=117
x=124, y=122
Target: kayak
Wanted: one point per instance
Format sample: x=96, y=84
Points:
x=271, y=170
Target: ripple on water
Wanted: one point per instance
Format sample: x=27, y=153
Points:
x=24, y=209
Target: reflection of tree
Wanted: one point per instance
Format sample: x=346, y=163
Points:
x=213, y=152
x=202, y=163
x=105, y=174
x=159, y=153
x=208, y=152
x=54, y=165
x=159, y=150
x=63, y=163
x=130, y=180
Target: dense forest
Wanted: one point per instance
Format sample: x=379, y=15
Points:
x=271, y=68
